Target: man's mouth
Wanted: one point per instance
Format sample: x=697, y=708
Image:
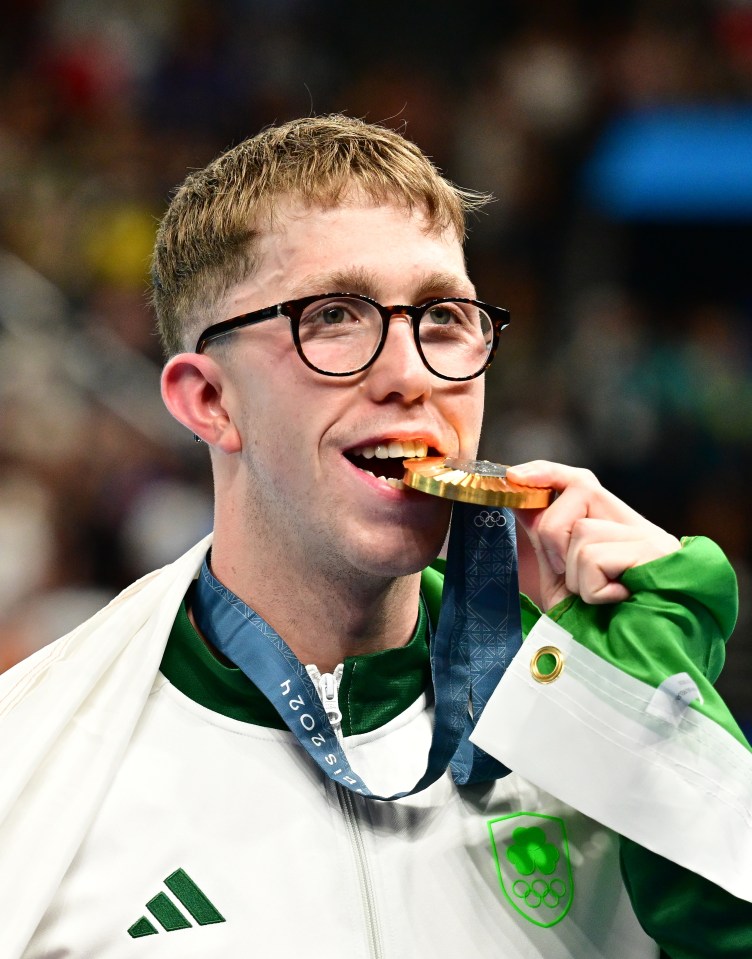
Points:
x=384, y=460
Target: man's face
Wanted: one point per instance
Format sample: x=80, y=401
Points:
x=299, y=487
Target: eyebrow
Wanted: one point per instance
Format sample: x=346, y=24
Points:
x=360, y=280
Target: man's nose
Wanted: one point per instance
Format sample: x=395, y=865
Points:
x=399, y=370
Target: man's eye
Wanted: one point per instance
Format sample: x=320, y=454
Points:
x=444, y=315
x=333, y=314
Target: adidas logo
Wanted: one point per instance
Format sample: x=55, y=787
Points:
x=167, y=914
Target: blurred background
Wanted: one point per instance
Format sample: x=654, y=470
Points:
x=616, y=138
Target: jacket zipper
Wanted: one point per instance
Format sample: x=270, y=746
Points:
x=327, y=685
x=368, y=899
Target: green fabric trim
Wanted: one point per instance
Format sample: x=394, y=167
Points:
x=190, y=666
x=678, y=618
x=688, y=916
x=431, y=588
x=529, y=612
x=379, y=686
x=375, y=687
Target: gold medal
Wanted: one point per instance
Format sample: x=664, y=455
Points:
x=472, y=481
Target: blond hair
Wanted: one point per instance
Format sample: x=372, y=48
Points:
x=204, y=244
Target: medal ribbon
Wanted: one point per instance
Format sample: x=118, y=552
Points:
x=478, y=633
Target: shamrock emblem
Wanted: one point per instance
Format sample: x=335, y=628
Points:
x=533, y=846
x=531, y=851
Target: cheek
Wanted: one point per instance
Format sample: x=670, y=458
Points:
x=262, y=393
x=280, y=428
x=470, y=417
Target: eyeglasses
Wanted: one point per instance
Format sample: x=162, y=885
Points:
x=340, y=334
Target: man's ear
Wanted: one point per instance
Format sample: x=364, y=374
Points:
x=192, y=390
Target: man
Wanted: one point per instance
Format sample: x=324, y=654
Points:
x=174, y=812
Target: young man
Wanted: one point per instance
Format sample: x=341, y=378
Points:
x=161, y=807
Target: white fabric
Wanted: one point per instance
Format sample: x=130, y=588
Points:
x=66, y=717
x=296, y=866
x=67, y=722
x=683, y=790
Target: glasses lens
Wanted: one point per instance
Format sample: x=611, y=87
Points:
x=339, y=334
x=456, y=338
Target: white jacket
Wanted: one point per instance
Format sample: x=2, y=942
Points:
x=68, y=716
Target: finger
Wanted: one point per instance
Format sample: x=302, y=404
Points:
x=594, y=566
x=591, y=573
x=585, y=515
x=530, y=520
x=582, y=551
x=551, y=529
x=546, y=473
x=570, y=479
x=589, y=530
x=642, y=543
x=551, y=586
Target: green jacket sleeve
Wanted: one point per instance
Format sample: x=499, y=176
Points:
x=690, y=917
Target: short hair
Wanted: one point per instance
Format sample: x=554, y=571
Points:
x=205, y=241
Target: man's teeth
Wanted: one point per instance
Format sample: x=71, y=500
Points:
x=396, y=483
x=394, y=450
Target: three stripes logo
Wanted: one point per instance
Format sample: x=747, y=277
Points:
x=167, y=914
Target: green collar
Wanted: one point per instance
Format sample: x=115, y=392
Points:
x=374, y=688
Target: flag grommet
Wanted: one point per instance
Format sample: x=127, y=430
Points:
x=546, y=664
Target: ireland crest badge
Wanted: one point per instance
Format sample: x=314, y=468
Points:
x=532, y=863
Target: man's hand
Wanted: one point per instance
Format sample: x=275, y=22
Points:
x=587, y=537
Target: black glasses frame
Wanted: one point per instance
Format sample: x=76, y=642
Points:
x=293, y=311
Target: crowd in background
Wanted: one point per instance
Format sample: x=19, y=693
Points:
x=630, y=346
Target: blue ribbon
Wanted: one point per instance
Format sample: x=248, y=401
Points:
x=478, y=633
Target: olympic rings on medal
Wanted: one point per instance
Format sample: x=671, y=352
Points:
x=490, y=518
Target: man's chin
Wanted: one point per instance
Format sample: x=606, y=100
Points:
x=404, y=560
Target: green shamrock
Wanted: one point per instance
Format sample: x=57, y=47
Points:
x=531, y=851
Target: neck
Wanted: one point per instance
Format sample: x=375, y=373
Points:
x=324, y=616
